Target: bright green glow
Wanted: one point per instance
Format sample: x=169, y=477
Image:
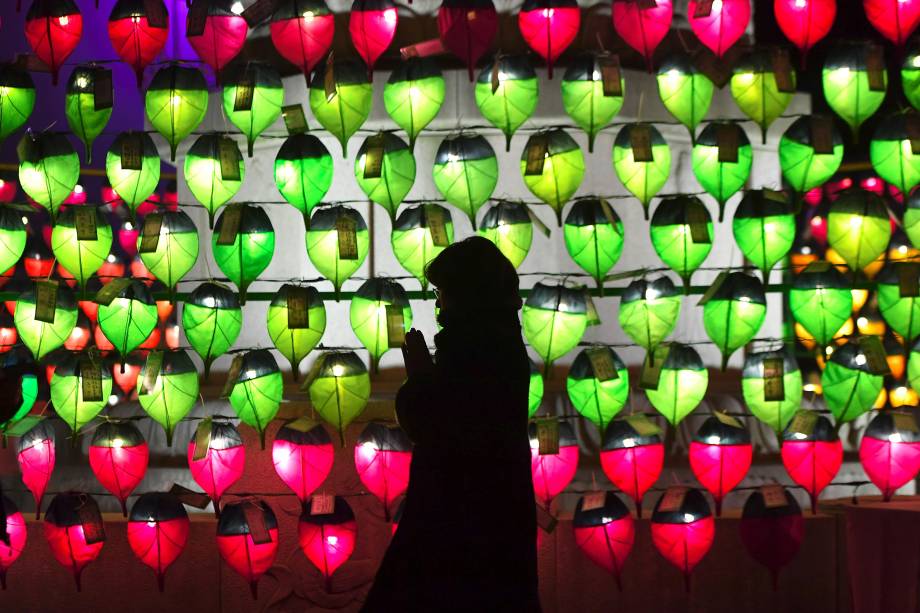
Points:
x=176, y=103
x=758, y=96
x=414, y=247
x=50, y=176
x=858, y=229
x=84, y=120
x=512, y=103
x=81, y=258
x=847, y=92
x=295, y=344
x=913, y=369
x=584, y=101
x=42, y=338
x=171, y=398
x=596, y=400
x=910, y=79
x=912, y=225
x=721, y=180
x=731, y=324
x=266, y=109
x=249, y=255
x=895, y=162
x=323, y=251
x=674, y=244
x=686, y=95
x=345, y=112
x=13, y=237
x=679, y=392
x=397, y=174
x=902, y=314
x=552, y=333
x=775, y=413
x=203, y=176
x=649, y=320
x=596, y=247
x=413, y=104
x=642, y=179
x=535, y=391
x=369, y=322
x=303, y=172
x=133, y=186
x=822, y=311
x=764, y=240
x=513, y=237
x=68, y=402
x=29, y=389
x=803, y=168
x=339, y=394
x=849, y=392
x=562, y=173
x=256, y=401
x=127, y=323
x=211, y=331
x=176, y=252
x=16, y=106
x=467, y=183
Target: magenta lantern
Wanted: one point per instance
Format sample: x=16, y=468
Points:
x=896, y=20
x=552, y=472
x=683, y=529
x=157, y=531
x=302, y=456
x=605, y=533
x=216, y=457
x=383, y=453
x=138, y=30
x=302, y=31
x=720, y=456
x=719, y=23
x=549, y=27
x=890, y=451
x=118, y=456
x=13, y=540
x=805, y=22
x=372, y=25
x=247, y=539
x=218, y=34
x=642, y=24
x=632, y=461
x=328, y=539
x=73, y=528
x=467, y=29
x=36, y=461
x=53, y=29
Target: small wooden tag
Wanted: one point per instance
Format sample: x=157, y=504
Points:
x=157, y=17
x=912, y=125
x=91, y=520
x=396, y=325
x=782, y=70
x=232, y=375
x=150, y=233
x=197, y=18
x=710, y=65
x=103, y=93
x=230, y=225
x=315, y=371
x=330, y=87
x=259, y=12
x=542, y=228
x=727, y=142
x=496, y=71
x=698, y=221
x=908, y=279
x=727, y=419
x=774, y=496
x=643, y=425
x=602, y=363
x=651, y=367
x=45, y=301
x=347, y=230
x=593, y=500
x=640, y=138
x=611, y=75
x=302, y=424
x=591, y=314
x=294, y=119
x=202, y=439
x=322, y=504
x=152, y=371
x=537, y=149
x=84, y=221
x=875, y=67
x=774, y=388
x=804, y=422
x=711, y=291
x=904, y=421
x=245, y=89
x=111, y=290
x=373, y=157
x=673, y=499
x=91, y=379
x=872, y=348
x=255, y=519
x=434, y=219
x=298, y=308
x=199, y=500
x=132, y=151
x=548, y=436
x=821, y=132
x=229, y=156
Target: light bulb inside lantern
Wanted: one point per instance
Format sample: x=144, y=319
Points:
x=389, y=16
x=63, y=20
x=860, y=360
x=308, y=16
x=338, y=370
x=118, y=443
x=237, y=8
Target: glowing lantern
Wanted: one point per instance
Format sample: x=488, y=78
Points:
x=722, y=158
x=552, y=472
x=762, y=85
x=719, y=25
x=17, y=359
x=820, y=300
x=158, y=530
x=118, y=455
x=890, y=451
x=257, y=390
x=36, y=456
x=337, y=243
x=132, y=166
x=81, y=334
x=554, y=319
x=81, y=247
x=681, y=384
x=549, y=27
x=772, y=533
x=507, y=91
x=681, y=233
x=535, y=390
x=594, y=237
x=372, y=25
x=648, y=311
x=605, y=533
x=73, y=528
x=380, y=316
x=328, y=539
x=243, y=243
x=216, y=457
x=303, y=173
x=382, y=456
x=138, y=31
x=892, y=151
x=467, y=29
x=592, y=93
x=302, y=31
x=15, y=536
x=508, y=225
x=771, y=384
x=466, y=172
x=642, y=25
x=168, y=246
x=220, y=34
x=913, y=366
x=552, y=166
x=734, y=313
x=598, y=385
x=176, y=103
x=683, y=530
x=87, y=111
x=12, y=237
x=53, y=29
x=212, y=319
x=896, y=21
x=858, y=228
x=805, y=22
x=17, y=100
x=852, y=380
x=296, y=321
x=642, y=161
x=413, y=95
x=341, y=96
x=253, y=95
x=720, y=455
x=385, y=170
x=685, y=91
x=896, y=302
x=214, y=171
x=170, y=394
x=48, y=169
x=80, y=389
x=129, y=318
x=420, y=233
x=247, y=539
x=37, y=260
x=40, y=336
x=340, y=391
x=910, y=77
x=764, y=228
x=302, y=455
x=8, y=336
x=811, y=452
x=855, y=82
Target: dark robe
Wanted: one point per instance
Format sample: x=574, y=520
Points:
x=467, y=537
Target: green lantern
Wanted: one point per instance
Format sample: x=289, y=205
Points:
x=80, y=389
x=913, y=366
x=168, y=246
x=380, y=316
x=507, y=91
x=508, y=225
x=212, y=319
x=253, y=95
x=851, y=382
x=855, y=82
x=821, y=301
x=17, y=99
x=681, y=233
x=771, y=384
x=303, y=172
x=760, y=90
x=18, y=357
x=128, y=318
x=88, y=116
x=897, y=301
x=685, y=91
x=594, y=237
x=592, y=93
x=810, y=152
x=892, y=151
x=176, y=103
x=722, y=159
x=681, y=384
x=910, y=75
x=912, y=219
x=243, y=243
x=170, y=391
x=296, y=321
x=553, y=167
x=13, y=237
x=598, y=385
x=385, y=170
x=81, y=240
x=340, y=390
x=734, y=312
x=466, y=172
x=337, y=243
x=858, y=228
x=132, y=167
x=421, y=233
x=642, y=161
x=257, y=391
x=214, y=171
x=45, y=328
x=554, y=319
x=48, y=169
x=341, y=97
x=535, y=391
x=649, y=311
x=764, y=228
x=413, y=95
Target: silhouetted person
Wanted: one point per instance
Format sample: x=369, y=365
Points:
x=467, y=537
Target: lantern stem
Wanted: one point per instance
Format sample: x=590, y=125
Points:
x=645, y=211
x=473, y=220
x=591, y=136
x=507, y=142
x=88, y=148
x=76, y=578
x=38, y=507
x=124, y=507
x=172, y=152
x=306, y=221
x=639, y=508
x=327, y=585
x=718, y=506
x=3, y=579
x=725, y=358
x=254, y=589
x=814, y=503
x=687, y=582
x=250, y=143
x=161, y=582
x=169, y=436
x=210, y=219
x=262, y=438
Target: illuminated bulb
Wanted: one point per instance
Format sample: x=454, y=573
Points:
x=595, y=75
x=332, y=541
x=768, y=227
x=808, y=387
x=82, y=82
x=746, y=78
x=113, y=400
x=251, y=374
x=503, y=228
x=338, y=370
x=688, y=517
x=78, y=189
x=452, y=157
x=801, y=4
x=237, y=8
x=25, y=220
x=175, y=100
x=916, y=61
x=902, y=249
x=862, y=322
x=501, y=75
x=128, y=226
x=855, y=221
x=111, y=258
x=860, y=360
x=118, y=443
x=713, y=440
x=673, y=75
x=308, y=16
x=136, y=19
x=151, y=524
x=548, y=13
x=744, y=299
x=806, y=250
x=414, y=93
x=841, y=75
x=389, y=16
x=628, y=442
x=63, y=20
x=651, y=294
x=906, y=148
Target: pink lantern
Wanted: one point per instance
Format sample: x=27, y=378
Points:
x=138, y=30
x=16, y=535
x=118, y=456
x=247, y=539
x=605, y=533
x=896, y=20
x=549, y=27
x=805, y=22
x=372, y=25
x=890, y=451
x=302, y=454
x=382, y=457
x=216, y=457
x=328, y=539
x=36, y=461
x=719, y=23
x=643, y=25
x=218, y=34
x=552, y=472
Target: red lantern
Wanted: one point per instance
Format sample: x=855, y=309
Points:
x=812, y=455
x=73, y=528
x=118, y=456
x=302, y=31
x=896, y=20
x=719, y=23
x=127, y=240
x=7, y=190
x=157, y=531
x=37, y=260
x=66, y=276
x=171, y=336
x=53, y=29
x=549, y=27
x=103, y=344
x=328, y=540
x=382, y=457
x=77, y=196
x=805, y=22
x=605, y=533
x=302, y=453
x=220, y=36
x=216, y=457
x=643, y=25
x=552, y=472
x=152, y=342
x=138, y=30
x=80, y=335
x=372, y=25
x=890, y=451
x=247, y=539
x=110, y=197
x=139, y=270
x=631, y=461
x=125, y=375
x=772, y=529
x=467, y=29
x=36, y=461
x=8, y=334
x=720, y=456
x=13, y=539
x=164, y=309
x=112, y=268
x=683, y=528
